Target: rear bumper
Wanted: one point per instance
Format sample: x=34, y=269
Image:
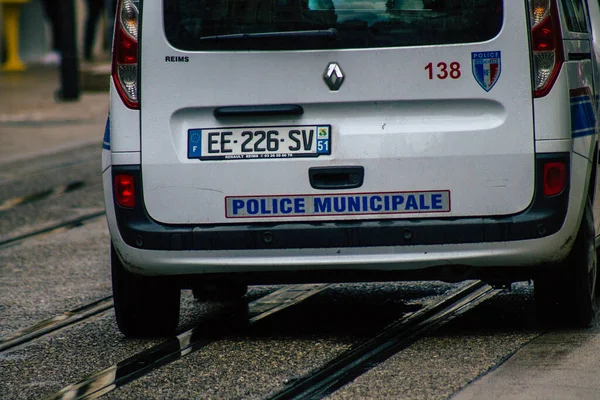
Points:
x=540, y=234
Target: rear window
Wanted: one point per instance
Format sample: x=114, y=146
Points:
x=327, y=24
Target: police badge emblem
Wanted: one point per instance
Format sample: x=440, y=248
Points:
x=486, y=68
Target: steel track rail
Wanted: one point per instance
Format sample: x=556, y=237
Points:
x=42, y=195
x=55, y=228
x=173, y=349
x=394, y=338
x=18, y=174
x=55, y=323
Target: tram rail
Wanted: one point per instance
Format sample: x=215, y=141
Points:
x=318, y=384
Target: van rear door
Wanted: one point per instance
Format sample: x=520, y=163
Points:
x=312, y=110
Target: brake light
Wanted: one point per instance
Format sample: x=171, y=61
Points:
x=555, y=178
x=124, y=190
x=125, y=52
x=546, y=45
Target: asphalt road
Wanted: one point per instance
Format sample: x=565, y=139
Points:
x=46, y=275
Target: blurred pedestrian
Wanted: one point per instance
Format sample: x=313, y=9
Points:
x=53, y=15
x=94, y=12
x=111, y=9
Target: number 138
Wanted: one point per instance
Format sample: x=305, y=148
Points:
x=443, y=71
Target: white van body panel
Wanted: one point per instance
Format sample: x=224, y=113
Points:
x=535, y=252
x=552, y=115
x=594, y=18
x=126, y=158
x=126, y=122
x=409, y=132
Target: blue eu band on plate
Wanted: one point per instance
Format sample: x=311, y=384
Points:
x=338, y=204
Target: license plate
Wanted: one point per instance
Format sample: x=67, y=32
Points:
x=259, y=142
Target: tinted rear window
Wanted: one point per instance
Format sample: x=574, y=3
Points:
x=327, y=24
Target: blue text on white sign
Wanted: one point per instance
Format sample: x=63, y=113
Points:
x=337, y=204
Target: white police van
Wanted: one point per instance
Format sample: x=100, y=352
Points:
x=254, y=141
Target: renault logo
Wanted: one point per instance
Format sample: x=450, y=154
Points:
x=333, y=76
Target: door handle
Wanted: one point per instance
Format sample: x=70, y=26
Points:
x=336, y=177
x=258, y=111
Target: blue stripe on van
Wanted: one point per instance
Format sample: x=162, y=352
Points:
x=106, y=142
x=583, y=118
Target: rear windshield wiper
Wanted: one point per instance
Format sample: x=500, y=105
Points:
x=331, y=33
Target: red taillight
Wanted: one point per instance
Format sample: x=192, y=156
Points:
x=125, y=190
x=555, y=178
x=546, y=45
x=125, y=52
x=543, y=36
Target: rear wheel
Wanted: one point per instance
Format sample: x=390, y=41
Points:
x=220, y=291
x=144, y=306
x=569, y=295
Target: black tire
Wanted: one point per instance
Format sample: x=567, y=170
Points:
x=221, y=291
x=144, y=306
x=569, y=295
